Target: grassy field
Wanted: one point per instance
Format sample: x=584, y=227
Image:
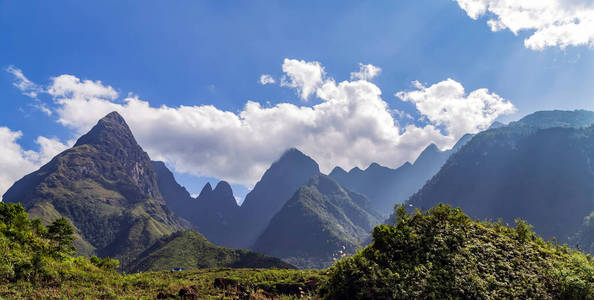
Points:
x=221, y=283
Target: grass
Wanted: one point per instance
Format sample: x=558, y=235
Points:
x=256, y=283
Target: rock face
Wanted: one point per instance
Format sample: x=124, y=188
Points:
x=539, y=169
x=321, y=222
x=217, y=212
x=107, y=186
x=274, y=189
x=176, y=196
x=386, y=187
x=213, y=213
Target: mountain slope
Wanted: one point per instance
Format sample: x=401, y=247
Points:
x=385, y=187
x=176, y=196
x=274, y=189
x=321, y=219
x=530, y=170
x=191, y=250
x=107, y=187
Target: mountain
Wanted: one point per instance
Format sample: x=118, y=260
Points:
x=321, y=222
x=539, y=169
x=107, y=187
x=386, y=187
x=557, y=118
x=191, y=250
x=444, y=254
x=178, y=199
x=217, y=212
x=212, y=213
x=274, y=189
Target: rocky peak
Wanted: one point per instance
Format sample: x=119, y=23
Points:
x=224, y=189
x=207, y=189
x=110, y=130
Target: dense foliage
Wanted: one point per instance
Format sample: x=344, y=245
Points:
x=443, y=253
x=33, y=252
x=36, y=263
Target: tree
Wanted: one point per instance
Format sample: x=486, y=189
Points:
x=61, y=232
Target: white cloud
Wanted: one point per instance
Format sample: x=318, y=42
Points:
x=22, y=83
x=71, y=87
x=554, y=23
x=366, y=72
x=447, y=104
x=266, y=79
x=352, y=126
x=15, y=162
x=304, y=76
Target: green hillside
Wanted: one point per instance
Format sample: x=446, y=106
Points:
x=107, y=187
x=36, y=263
x=321, y=222
x=191, y=250
x=443, y=254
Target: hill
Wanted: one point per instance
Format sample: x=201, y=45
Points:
x=385, y=186
x=543, y=174
x=443, y=254
x=107, y=187
x=191, y=250
x=321, y=222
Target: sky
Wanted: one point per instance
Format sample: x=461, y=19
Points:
x=220, y=89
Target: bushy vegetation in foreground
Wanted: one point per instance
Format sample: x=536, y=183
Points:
x=442, y=253
x=438, y=254
x=36, y=263
x=32, y=252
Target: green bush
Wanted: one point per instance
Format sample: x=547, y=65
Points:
x=442, y=253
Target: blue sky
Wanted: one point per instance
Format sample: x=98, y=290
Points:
x=197, y=53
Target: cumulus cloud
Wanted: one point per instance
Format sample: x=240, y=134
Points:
x=304, y=76
x=447, y=104
x=366, y=72
x=266, y=79
x=554, y=23
x=15, y=162
x=351, y=126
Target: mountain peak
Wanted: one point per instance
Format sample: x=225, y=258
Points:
x=205, y=190
x=429, y=152
x=224, y=188
x=110, y=129
x=337, y=171
x=113, y=117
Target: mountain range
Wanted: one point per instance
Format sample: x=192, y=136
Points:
x=126, y=206
x=539, y=169
x=385, y=186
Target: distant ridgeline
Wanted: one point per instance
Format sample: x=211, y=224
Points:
x=540, y=169
x=126, y=206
